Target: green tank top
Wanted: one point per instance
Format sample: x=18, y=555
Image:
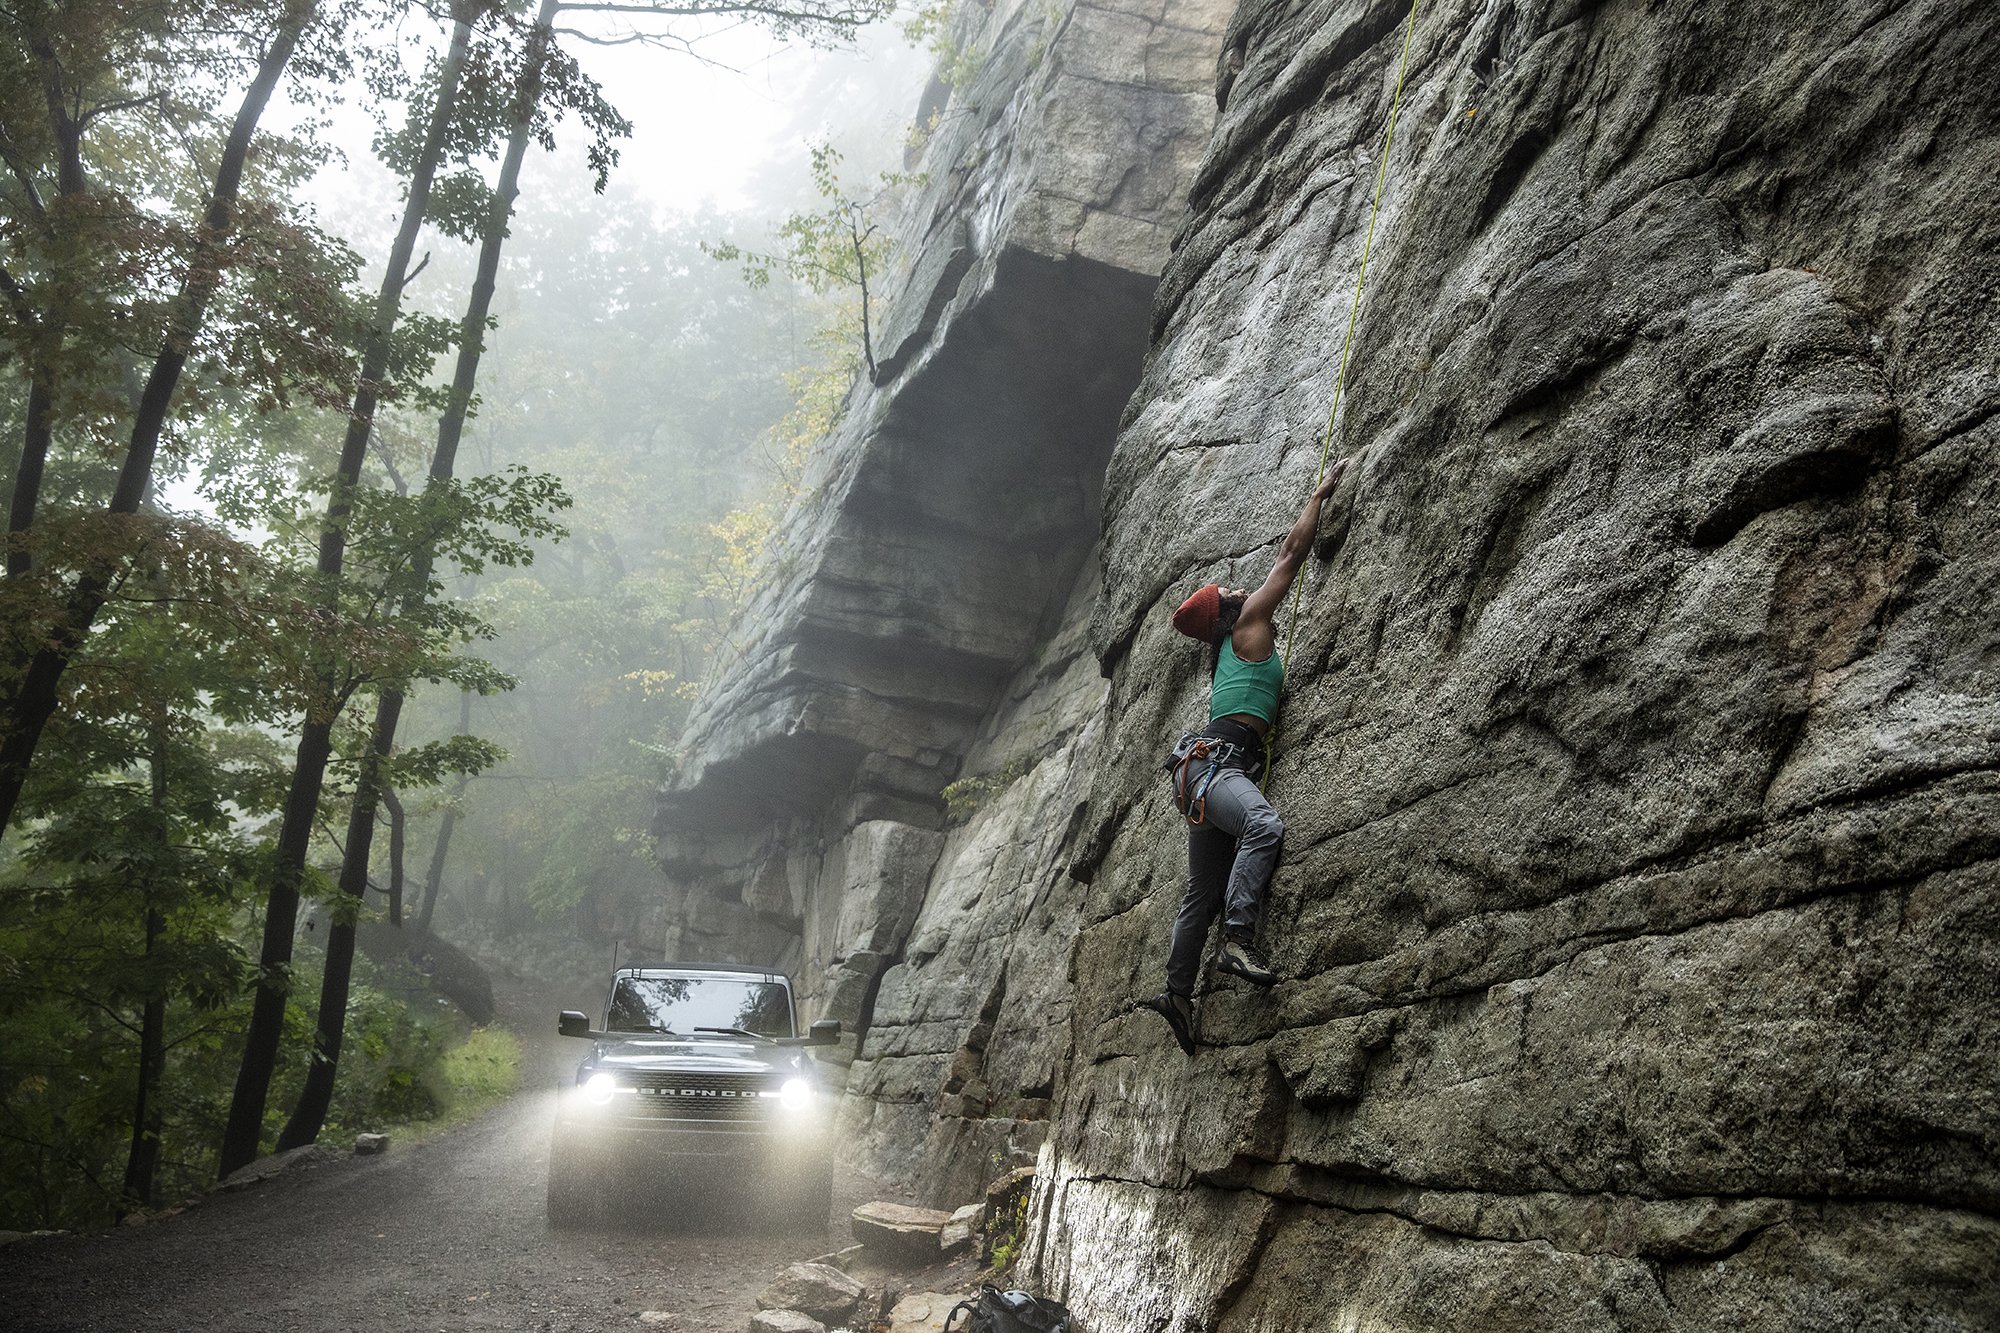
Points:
x=1246, y=687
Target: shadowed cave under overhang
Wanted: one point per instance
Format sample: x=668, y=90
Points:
x=949, y=558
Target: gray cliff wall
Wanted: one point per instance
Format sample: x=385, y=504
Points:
x=1642, y=751
x=1641, y=754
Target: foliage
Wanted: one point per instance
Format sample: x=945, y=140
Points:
x=1008, y=1236
x=480, y=1070
x=936, y=24
x=837, y=247
x=965, y=797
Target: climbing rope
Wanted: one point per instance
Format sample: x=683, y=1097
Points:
x=1354, y=313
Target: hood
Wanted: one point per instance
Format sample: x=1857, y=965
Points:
x=709, y=1055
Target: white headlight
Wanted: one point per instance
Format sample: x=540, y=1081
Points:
x=796, y=1095
x=598, y=1089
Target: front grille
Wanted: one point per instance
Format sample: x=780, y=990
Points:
x=704, y=1096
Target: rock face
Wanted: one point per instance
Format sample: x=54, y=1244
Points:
x=1640, y=911
x=1640, y=758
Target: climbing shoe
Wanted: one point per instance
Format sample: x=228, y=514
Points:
x=1242, y=958
x=1178, y=1010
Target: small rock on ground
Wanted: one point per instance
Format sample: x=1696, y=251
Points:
x=964, y=1224
x=820, y=1290
x=923, y=1311
x=785, y=1321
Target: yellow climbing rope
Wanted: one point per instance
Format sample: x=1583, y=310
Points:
x=1367, y=242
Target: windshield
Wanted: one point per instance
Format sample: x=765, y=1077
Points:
x=682, y=1004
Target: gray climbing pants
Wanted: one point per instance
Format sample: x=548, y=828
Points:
x=1231, y=855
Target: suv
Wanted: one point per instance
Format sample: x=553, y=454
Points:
x=698, y=1068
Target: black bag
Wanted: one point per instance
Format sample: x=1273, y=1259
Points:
x=997, y=1311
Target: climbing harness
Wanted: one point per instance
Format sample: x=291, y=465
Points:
x=1354, y=312
x=1198, y=759
x=1194, y=764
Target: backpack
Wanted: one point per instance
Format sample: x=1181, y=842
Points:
x=997, y=1311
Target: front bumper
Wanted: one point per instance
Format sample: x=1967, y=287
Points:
x=779, y=1140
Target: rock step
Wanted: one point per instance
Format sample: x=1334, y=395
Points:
x=900, y=1232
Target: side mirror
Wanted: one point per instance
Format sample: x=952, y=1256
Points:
x=573, y=1024
x=823, y=1033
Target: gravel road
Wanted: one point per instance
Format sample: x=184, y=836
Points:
x=447, y=1235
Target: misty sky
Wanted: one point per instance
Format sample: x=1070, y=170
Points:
x=703, y=134
x=729, y=130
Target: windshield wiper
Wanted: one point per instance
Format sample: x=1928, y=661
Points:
x=644, y=1027
x=737, y=1032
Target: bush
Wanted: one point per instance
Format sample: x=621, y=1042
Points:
x=482, y=1069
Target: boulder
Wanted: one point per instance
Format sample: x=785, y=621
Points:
x=820, y=1290
x=964, y=1224
x=368, y=1145
x=442, y=965
x=292, y=1159
x=901, y=1233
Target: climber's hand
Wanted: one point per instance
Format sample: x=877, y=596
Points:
x=1333, y=476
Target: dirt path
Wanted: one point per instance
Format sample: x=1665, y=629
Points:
x=447, y=1235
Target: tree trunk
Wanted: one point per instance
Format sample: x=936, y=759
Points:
x=26, y=707
x=396, y=830
x=142, y=1163
x=148, y=1119
x=434, y=877
x=260, y=1054
x=35, y=440
x=38, y=431
x=310, y=1113
x=245, y=1128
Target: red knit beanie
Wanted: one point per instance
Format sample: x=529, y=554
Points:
x=1197, y=615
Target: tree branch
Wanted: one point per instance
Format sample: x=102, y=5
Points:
x=796, y=11
x=17, y=297
x=381, y=452
x=411, y=276
x=27, y=179
x=112, y=108
x=860, y=238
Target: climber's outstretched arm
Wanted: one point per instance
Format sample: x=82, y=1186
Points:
x=1261, y=607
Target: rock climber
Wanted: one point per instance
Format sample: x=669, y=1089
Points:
x=1233, y=833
